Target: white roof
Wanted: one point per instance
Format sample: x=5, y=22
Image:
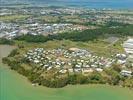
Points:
x=129, y=50
x=130, y=40
x=128, y=45
x=125, y=71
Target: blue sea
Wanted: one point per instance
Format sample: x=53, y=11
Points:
x=114, y=4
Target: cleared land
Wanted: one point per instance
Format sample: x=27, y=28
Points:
x=13, y=17
x=98, y=47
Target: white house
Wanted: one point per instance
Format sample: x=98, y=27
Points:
x=128, y=46
x=126, y=73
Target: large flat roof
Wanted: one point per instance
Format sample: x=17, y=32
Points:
x=128, y=46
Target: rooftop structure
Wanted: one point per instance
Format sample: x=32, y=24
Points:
x=128, y=46
x=126, y=73
x=74, y=60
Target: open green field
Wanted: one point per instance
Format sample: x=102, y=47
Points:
x=98, y=47
x=13, y=17
x=16, y=87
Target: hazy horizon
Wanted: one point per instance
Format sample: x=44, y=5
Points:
x=81, y=3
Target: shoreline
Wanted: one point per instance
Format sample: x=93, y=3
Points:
x=24, y=78
x=67, y=86
x=65, y=6
x=11, y=80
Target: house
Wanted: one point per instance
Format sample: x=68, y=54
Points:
x=128, y=46
x=78, y=59
x=121, y=61
x=126, y=73
x=36, y=61
x=99, y=69
x=87, y=70
x=63, y=71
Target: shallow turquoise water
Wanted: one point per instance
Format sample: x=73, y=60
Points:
x=15, y=87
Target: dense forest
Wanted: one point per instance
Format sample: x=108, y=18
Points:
x=6, y=41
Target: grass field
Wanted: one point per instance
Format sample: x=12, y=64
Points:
x=98, y=47
x=49, y=19
x=13, y=17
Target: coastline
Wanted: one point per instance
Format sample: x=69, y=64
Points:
x=5, y=52
x=19, y=82
x=10, y=48
x=75, y=3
